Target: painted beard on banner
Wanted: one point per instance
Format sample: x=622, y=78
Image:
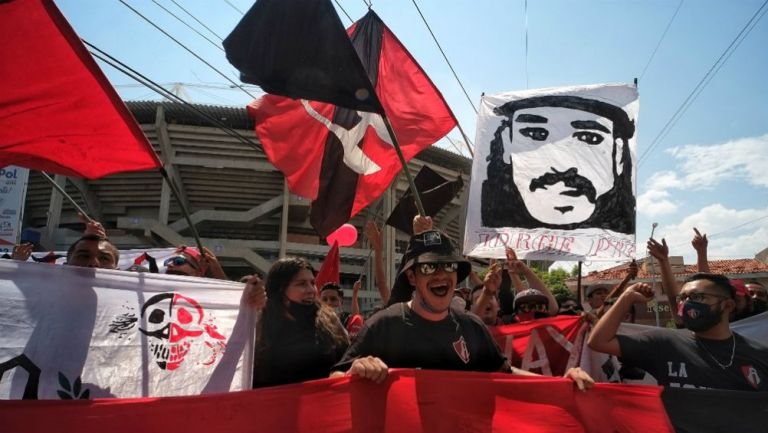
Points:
x=698, y=316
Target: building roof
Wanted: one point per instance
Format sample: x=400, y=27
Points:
x=727, y=267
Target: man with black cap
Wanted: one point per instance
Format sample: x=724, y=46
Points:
x=425, y=332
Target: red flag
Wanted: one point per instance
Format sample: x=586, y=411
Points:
x=343, y=159
x=329, y=270
x=58, y=112
x=407, y=401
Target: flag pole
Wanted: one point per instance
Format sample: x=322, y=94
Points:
x=396, y=145
x=184, y=209
x=67, y=196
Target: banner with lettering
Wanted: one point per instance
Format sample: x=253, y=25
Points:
x=81, y=333
x=408, y=401
x=553, y=175
x=546, y=346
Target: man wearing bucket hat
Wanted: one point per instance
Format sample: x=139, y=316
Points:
x=425, y=332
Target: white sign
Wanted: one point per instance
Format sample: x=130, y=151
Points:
x=13, y=185
x=69, y=332
x=554, y=175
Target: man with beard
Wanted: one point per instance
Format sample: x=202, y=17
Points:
x=426, y=332
x=759, y=296
x=560, y=162
x=705, y=355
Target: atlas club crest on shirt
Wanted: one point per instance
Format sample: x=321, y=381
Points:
x=460, y=346
x=750, y=373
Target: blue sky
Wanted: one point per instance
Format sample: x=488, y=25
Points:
x=710, y=171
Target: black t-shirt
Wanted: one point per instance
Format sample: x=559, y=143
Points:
x=403, y=339
x=299, y=354
x=677, y=358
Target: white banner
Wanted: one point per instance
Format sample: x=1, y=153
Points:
x=68, y=332
x=554, y=175
x=13, y=185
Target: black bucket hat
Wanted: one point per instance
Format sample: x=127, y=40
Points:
x=432, y=246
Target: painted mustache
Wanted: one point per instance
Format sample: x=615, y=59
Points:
x=571, y=178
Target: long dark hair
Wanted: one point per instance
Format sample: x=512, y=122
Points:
x=275, y=315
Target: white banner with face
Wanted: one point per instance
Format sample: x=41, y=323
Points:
x=554, y=174
x=74, y=333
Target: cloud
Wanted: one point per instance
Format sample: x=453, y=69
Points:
x=732, y=233
x=704, y=167
x=655, y=202
x=742, y=159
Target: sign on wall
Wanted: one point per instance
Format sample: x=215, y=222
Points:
x=13, y=185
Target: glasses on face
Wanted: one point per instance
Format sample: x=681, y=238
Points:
x=179, y=261
x=697, y=296
x=526, y=308
x=431, y=268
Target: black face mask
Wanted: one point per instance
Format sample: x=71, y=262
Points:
x=698, y=316
x=303, y=312
x=760, y=306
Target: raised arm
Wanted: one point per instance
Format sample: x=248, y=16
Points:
x=517, y=283
x=700, y=243
x=619, y=288
x=603, y=336
x=534, y=282
x=355, y=308
x=373, y=234
x=491, y=286
x=660, y=251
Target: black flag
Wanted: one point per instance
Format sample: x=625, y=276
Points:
x=299, y=49
x=435, y=192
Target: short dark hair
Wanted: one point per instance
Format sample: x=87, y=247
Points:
x=720, y=281
x=95, y=238
x=332, y=286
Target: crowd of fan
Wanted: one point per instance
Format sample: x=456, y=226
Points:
x=426, y=321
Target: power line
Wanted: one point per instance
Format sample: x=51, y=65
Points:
x=141, y=78
x=434, y=38
x=195, y=18
x=663, y=34
x=342, y=9
x=704, y=81
x=185, y=47
x=188, y=26
x=234, y=7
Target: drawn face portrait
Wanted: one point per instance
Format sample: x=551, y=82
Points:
x=560, y=162
x=562, y=159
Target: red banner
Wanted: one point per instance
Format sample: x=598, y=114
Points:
x=545, y=346
x=408, y=401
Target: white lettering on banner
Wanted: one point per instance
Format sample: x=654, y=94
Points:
x=96, y=333
x=536, y=345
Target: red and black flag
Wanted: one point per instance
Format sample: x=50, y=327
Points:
x=344, y=159
x=329, y=270
x=435, y=192
x=59, y=113
x=298, y=49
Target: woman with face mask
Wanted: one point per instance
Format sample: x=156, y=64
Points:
x=707, y=354
x=297, y=338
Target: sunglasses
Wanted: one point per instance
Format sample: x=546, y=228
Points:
x=179, y=261
x=526, y=308
x=431, y=268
